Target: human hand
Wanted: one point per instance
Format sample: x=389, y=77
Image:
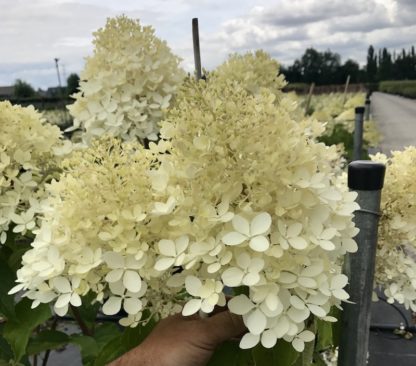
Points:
x=184, y=341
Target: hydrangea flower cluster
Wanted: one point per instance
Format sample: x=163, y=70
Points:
x=396, y=252
x=127, y=84
x=235, y=194
x=336, y=108
x=29, y=153
x=254, y=71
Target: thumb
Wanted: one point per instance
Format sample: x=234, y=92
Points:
x=225, y=325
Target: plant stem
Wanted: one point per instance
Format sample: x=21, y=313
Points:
x=48, y=352
x=85, y=330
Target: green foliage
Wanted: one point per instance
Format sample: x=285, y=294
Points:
x=121, y=344
x=405, y=88
x=45, y=340
x=72, y=83
x=23, y=89
x=17, y=331
x=7, y=281
x=340, y=135
x=229, y=353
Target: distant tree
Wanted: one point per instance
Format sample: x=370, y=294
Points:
x=311, y=66
x=371, y=67
x=385, y=69
x=72, y=83
x=331, y=63
x=293, y=73
x=351, y=68
x=23, y=89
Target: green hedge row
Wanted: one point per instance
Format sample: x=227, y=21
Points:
x=405, y=88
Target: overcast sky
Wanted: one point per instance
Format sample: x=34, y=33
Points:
x=34, y=32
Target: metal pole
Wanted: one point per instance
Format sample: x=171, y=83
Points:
x=366, y=178
x=197, y=51
x=358, y=133
x=367, y=109
x=59, y=75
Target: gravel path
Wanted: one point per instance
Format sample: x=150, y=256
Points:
x=396, y=119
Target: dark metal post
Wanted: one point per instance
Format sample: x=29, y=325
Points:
x=358, y=133
x=367, y=109
x=197, y=51
x=366, y=178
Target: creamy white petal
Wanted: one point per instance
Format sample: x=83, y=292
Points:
x=241, y=225
x=259, y=243
x=249, y=341
x=256, y=321
x=268, y=339
x=233, y=238
x=260, y=224
x=132, y=305
x=167, y=248
x=191, y=307
x=112, y=305
x=162, y=264
x=232, y=277
x=240, y=305
x=193, y=285
x=132, y=281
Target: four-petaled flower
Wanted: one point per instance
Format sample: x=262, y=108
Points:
x=172, y=253
x=209, y=294
x=131, y=301
x=247, y=272
x=25, y=221
x=67, y=294
x=255, y=232
x=124, y=268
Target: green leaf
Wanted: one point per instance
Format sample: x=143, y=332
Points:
x=6, y=352
x=285, y=353
x=104, y=333
x=15, y=259
x=88, y=311
x=88, y=346
x=111, y=350
x=336, y=327
x=48, y=339
x=265, y=356
x=7, y=302
x=324, y=335
x=18, y=331
x=229, y=353
x=129, y=339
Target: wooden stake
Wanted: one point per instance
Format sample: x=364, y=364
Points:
x=347, y=83
x=197, y=51
x=308, y=100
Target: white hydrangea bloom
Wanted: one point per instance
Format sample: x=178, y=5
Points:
x=395, y=260
x=254, y=71
x=339, y=109
x=244, y=198
x=127, y=84
x=28, y=159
